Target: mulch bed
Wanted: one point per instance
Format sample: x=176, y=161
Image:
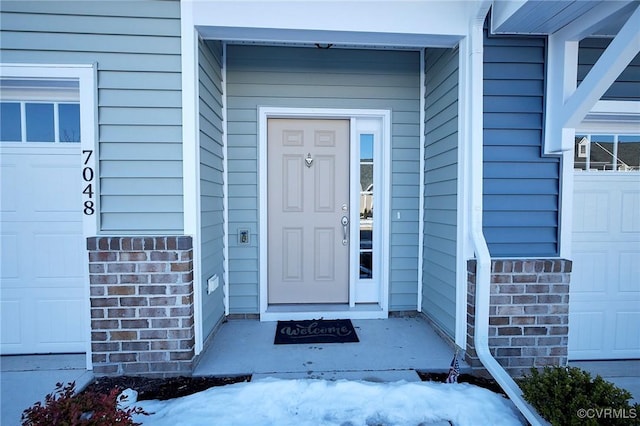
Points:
x=176, y=387
x=159, y=388
x=490, y=384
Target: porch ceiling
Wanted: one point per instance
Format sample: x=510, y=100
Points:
x=549, y=16
x=370, y=40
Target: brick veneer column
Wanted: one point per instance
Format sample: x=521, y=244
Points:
x=141, y=305
x=528, y=313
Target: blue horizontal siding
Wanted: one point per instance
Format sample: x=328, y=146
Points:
x=627, y=85
x=521, y=187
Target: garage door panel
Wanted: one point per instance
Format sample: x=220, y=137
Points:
x=590, y=212
x=11, y=314
x=629, y=273
x=9, y=199
x=43, y=254
x=66, y=329
x=604, y=310
x=627, y=326
x=589, y=336
x=46, y=195
x=592, y=274
x=9, y=259
x=58, y=256
x=630, y=211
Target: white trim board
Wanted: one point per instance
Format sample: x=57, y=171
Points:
x=352, y=310
x=191, y=158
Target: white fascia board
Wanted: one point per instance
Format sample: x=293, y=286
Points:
x=335, y=21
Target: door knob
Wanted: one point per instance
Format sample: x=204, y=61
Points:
x=345, y=224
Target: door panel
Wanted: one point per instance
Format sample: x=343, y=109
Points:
x=307, y=187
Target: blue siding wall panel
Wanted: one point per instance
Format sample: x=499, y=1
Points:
x=136, y=46
x=627, y=85
x=440, y=190
x=211, y=180
x=334, y=78
x=521, y=186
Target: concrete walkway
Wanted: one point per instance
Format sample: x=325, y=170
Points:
x=27, y=379
x=623, y=374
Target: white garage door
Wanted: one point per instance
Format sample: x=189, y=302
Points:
x=42, y=294
x=604, y=302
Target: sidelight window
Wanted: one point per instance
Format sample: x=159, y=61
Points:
x=366, y=206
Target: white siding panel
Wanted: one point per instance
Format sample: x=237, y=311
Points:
x=136, y=46
x=441, y=155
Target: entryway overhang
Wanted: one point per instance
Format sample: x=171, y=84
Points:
x=352, y=24
x=363, y=23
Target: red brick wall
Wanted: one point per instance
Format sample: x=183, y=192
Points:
x=528, y=313
x=141, y=305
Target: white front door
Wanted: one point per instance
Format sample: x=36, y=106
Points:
x=42, y=298
x=308, y=211
x=604, y=300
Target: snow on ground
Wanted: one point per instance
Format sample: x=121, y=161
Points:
x=320, y=402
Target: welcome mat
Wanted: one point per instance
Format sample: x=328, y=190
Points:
x=315, y=331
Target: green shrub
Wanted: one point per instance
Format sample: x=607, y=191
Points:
x=569, y=396
x=64, y=407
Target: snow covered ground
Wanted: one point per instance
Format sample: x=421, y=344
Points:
x=347, y=403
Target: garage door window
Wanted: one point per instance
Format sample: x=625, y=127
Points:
x=619, y=153
x=39, y=111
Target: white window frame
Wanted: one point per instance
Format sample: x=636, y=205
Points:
x=362, y=121
x=86, y=75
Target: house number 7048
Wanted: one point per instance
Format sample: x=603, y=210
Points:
x=88, y=177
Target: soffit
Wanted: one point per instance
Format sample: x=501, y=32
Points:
x=548, y=16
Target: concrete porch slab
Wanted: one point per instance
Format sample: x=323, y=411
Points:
x=389, y=350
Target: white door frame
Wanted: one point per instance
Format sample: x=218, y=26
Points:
x=361, y=120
